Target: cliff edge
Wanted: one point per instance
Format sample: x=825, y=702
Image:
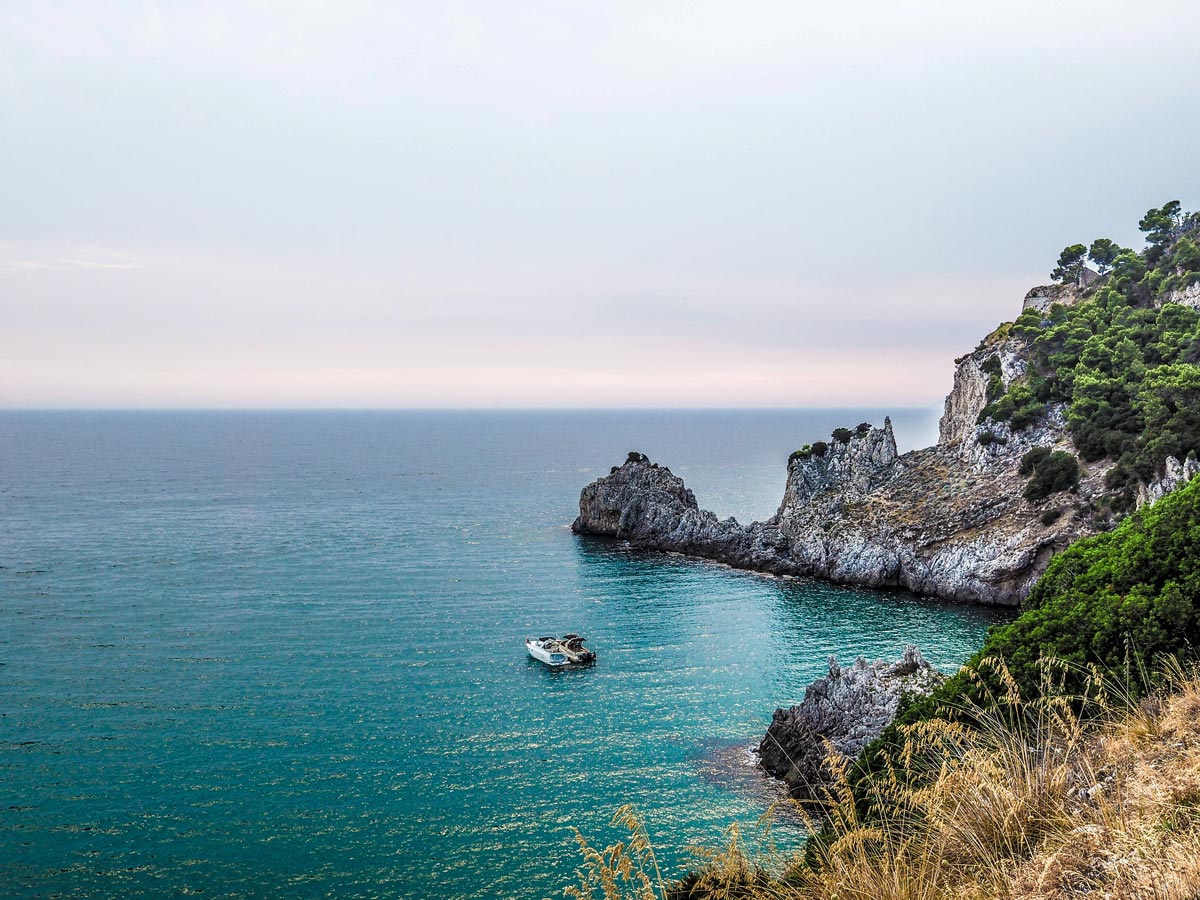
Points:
x=948, y=521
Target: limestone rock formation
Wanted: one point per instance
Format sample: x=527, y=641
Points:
x=964, y=402
x=1188, y=296
x=645, y=504
x=950, y=520
x=1044, y=296
x=947, y=521
x=840, y=714
x=1175, y=473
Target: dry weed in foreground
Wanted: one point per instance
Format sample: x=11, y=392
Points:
x=1027, y=802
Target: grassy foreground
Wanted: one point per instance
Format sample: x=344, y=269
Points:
x=1053, y=797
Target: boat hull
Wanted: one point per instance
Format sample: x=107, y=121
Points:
x=542, y=655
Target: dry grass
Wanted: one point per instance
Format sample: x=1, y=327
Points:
x=1029, y=802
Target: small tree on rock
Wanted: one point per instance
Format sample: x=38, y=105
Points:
x=1103, y=252
x=1070, y=264
x=1159, y=226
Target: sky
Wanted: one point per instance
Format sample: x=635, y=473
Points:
x=532, y=204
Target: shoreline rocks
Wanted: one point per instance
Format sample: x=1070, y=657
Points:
x=807, y=745
x=949, y=521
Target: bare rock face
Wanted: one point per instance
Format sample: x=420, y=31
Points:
x=646, y=505
x=1175, y=474
x=948, y=521
x=965, y=401
x=1044, y=296
x=1187, y=296
x=998, y=353
x=852, y=467
x=944, y=521
x=841, y=713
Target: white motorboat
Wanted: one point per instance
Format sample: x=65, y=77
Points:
x=559, y=651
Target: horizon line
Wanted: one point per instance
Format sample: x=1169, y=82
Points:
x=448, y=409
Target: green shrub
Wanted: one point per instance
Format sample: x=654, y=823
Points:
x=1050, y=516
x=842, y=435
x=1019, y=407
x=819, y=449
x=1059, y=471
x=995, y=388
x=863, y=428
x=1125, y=598
x=804, y=453
x=1031, y=458
x=987, y=438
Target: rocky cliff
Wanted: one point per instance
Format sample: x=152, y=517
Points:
x=949, y=521
x=806, y=745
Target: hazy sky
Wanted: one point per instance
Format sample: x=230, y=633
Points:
x=560, y=204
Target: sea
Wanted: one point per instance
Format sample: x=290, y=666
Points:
x=280, y=654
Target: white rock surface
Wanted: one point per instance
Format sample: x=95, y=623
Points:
x=841, y=713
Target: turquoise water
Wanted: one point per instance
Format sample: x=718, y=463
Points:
x=280, y=654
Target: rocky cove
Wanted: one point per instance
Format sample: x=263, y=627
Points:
x=953, y=521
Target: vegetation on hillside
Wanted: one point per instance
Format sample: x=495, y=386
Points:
x=1125, y=364
x=1029, y=799
x=1051, y=472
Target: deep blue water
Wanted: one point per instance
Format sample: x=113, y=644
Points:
x=280, y=654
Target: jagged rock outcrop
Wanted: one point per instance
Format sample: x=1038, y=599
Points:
x=1175, y=474
x=645, y=504
x=964, y=402
x=840, y=714
x=1044, y=296
x=947, y=521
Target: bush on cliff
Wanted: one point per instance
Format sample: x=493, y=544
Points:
x=842, y=435
x=1058, y=471
x=1125, y=363
x=1031, y=458
x=987, y=438
x=1020, y=407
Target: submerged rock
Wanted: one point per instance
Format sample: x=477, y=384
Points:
x=841, y=713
